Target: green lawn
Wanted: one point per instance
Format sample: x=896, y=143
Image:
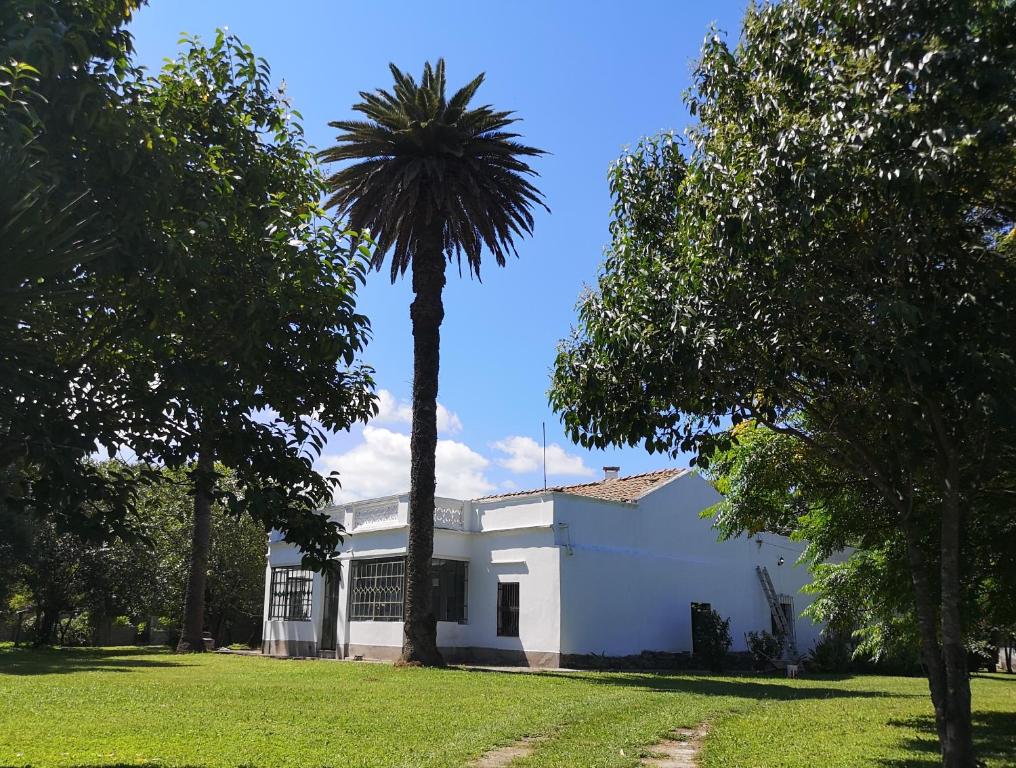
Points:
x=137, y=707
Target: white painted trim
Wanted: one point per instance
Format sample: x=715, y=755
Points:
x=685, y=472
x=533, y=527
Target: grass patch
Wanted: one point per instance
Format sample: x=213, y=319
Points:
x=119, y=707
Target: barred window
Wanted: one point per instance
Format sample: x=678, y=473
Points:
x=450, y=579
x=377, y=588
x=508, y=609
x=291, y=592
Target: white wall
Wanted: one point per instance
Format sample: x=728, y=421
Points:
x=530, y=558
x=282, y=554
x=514, y=513
x=636, y=569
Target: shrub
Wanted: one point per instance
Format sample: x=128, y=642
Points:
x=172, y=636
x=830, y=654
x=982, y=654
x=712, y=639
x=27, y=633
x=76, y=632
x=763, y=646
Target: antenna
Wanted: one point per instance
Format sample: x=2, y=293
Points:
x=544, y=455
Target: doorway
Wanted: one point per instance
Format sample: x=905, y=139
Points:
x=330, y=614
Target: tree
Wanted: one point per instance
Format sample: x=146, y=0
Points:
x=433, y=180
x=836, y=251
x=77, y=176
x=773, y=482
x=234, y=590
x=190, y=301
x=52, y=573
x=143, y=577
x=249, y=343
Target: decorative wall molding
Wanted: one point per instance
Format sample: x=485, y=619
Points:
x=448, y=517
x=378, y=514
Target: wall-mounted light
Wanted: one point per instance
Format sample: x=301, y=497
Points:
x=781, y=561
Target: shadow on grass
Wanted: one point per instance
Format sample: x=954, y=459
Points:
x=55, y=661
x=997, y=677
x=994, y=739
x=707, y=685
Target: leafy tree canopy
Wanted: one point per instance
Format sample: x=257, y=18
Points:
x=248, y=334
x=77, y=174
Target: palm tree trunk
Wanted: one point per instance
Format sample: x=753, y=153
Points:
x=419, y=644
x=203, y=475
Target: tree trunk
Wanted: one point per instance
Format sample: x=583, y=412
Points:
x=946, y=660
x=1008, y=657
x=203, y=478
x=220, y=626
x=927, y=622
x=419, y=644
x=45, y=626
x=958, y=745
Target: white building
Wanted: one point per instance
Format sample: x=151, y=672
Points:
x=613, y=567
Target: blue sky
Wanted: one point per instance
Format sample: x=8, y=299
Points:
x=587, y=78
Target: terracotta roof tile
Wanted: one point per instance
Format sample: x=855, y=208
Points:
x=626, y=489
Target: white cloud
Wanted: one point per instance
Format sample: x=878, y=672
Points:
x=391, y=410
x=523, y=454
x=379, y=466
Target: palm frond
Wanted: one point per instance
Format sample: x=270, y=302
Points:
x=418, y=159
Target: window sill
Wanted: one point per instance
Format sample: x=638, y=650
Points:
x=374, y=621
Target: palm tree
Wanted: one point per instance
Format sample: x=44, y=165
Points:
x=432, y=180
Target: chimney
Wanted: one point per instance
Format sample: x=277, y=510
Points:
x=610, y=473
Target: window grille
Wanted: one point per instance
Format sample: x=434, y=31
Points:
x=291, y=593
x=451, y=582
x=787, y=609
x=377, y=589
x=508, y=609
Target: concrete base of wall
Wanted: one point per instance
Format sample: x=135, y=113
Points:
x=289, y=648
x=372, y=652
x=495, y=657
x=502, y=657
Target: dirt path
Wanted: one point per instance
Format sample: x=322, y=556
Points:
x=503, y=756
x=678, y=752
